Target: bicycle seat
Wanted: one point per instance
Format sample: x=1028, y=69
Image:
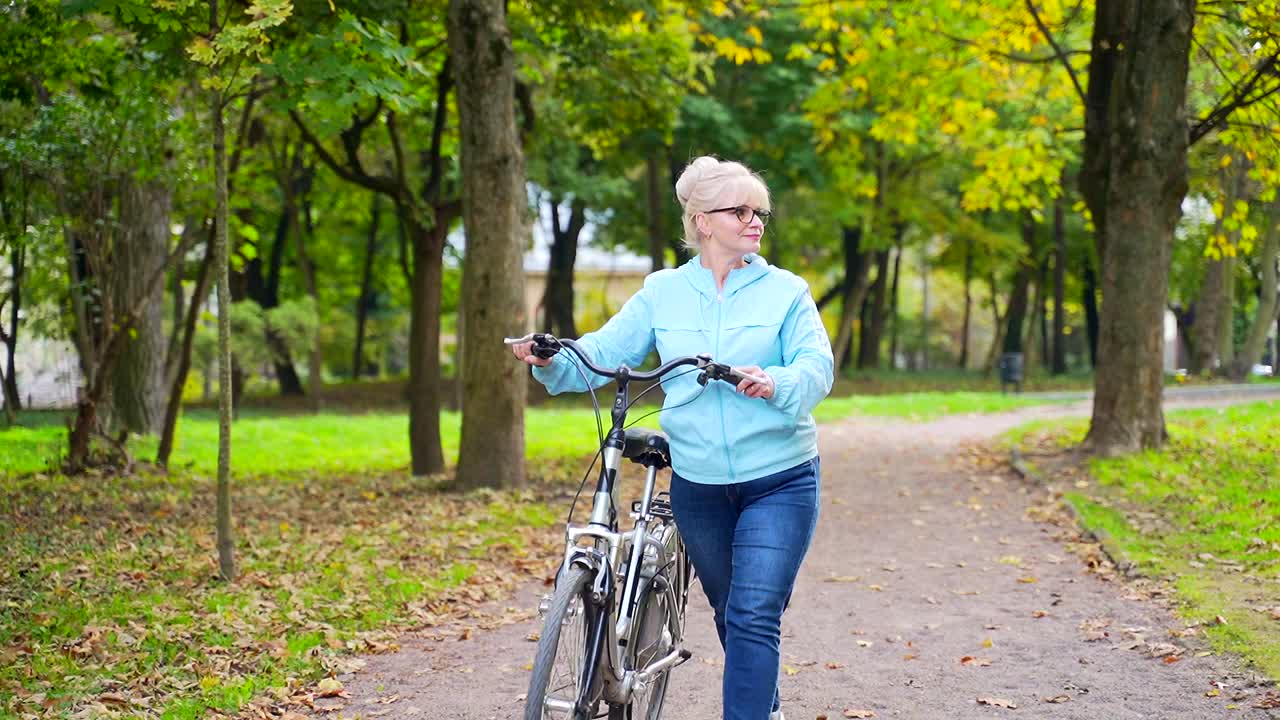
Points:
x=647, y=447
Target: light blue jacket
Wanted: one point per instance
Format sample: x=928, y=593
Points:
x=765, y=316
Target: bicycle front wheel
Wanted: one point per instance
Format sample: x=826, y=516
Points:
x=659, y=630
x=560, y=664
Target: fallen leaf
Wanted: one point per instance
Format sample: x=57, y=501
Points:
x=864, y=643
x=997, y=702
x=859, y=713
x=1058, y=699
x=876, y=588
x=843, y=578
x=1039, y=614
x=975, y=661
x=835, y=665
x=330, y=687
x=790, y=670
x=987, y=643
x=1027, y=580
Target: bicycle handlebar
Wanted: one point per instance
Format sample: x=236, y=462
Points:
x=546, y=345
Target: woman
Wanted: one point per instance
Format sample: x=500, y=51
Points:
x=745, y=470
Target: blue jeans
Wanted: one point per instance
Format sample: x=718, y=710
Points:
x=746, y=540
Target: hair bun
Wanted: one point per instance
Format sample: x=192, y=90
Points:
x=693, y=173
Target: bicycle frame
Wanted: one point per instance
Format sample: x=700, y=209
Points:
x=607, y=639
x=597, y=546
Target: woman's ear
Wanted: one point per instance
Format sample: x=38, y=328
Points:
x=702, y=223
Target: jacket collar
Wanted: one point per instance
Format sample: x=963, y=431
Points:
x=705, y=283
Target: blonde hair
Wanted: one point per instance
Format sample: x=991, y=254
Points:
x=707, y=181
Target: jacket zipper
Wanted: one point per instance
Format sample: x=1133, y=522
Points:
x=724, y=436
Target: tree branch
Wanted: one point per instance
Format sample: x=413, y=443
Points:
x=1238, y=97
x=444, y=84
x=357, y=175
x=1031, y=7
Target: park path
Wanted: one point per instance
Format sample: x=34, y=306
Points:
x=929, y=587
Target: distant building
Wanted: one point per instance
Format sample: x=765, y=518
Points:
x=48, y=373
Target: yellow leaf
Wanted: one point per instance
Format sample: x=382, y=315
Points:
x=826, y=65
x=950, y=128
x=1225, y=161
x=755, y=34
x=790, y=670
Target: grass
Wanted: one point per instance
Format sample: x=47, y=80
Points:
x=1201, y=512
x=273, y=442
x=110, y=602
x=920, y=406
x=265, y=443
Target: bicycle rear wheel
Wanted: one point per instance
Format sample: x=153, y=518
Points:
x=560, y=664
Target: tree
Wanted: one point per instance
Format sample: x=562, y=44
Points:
x=222, y=50
x=494, y=205
x=379, y=81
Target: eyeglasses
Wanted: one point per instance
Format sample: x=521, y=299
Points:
x=744, y=213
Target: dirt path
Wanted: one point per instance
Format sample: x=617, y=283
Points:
x=921, y=560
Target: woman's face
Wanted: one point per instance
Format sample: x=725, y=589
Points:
x=724, y=228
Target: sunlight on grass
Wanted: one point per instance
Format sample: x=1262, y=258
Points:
x=921, y=406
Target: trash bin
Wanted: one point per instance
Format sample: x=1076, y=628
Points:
x=1011, y=371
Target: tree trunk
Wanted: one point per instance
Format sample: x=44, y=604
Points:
x=557, y=296
x=924, y=308
x=358, y=364
x=17, y=265
x=306, y=230
x=1058, y=366
x=1016, y=312
x=425, y=449
x=1134, y=180
x=187, y=330
x=138, y=380
x=491, y=452
x=1226, y=317
x=856, y=264
x=222, y=264
x=893, y=306
x=874, y=320
x=1089, y=298
x=265, y=290
x=1206, y=327
x=657, y=212
x=997, y=324
x=968, y=303
x=1265, y=316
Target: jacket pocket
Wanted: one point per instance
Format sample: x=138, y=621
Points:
x=677, y=337
x=753, y=340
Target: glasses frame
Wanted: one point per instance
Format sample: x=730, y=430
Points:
x=737, y=210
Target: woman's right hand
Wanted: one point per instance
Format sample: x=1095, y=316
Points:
x=524, y=351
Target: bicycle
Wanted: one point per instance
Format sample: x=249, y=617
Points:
x=598, y=647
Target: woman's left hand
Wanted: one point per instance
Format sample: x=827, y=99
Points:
x=754, y=389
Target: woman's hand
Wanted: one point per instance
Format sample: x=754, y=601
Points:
x=524, y=351
x=752, y=389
